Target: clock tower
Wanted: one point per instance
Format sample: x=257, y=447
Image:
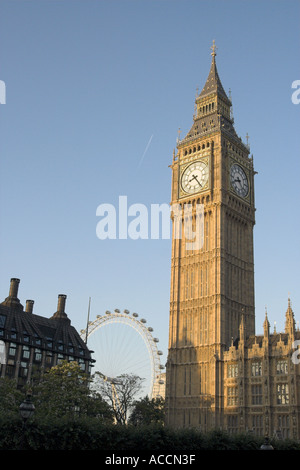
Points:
x=212, y=284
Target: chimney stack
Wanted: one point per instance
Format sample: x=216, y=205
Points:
x=60, y=314
x=61, y=303
x=12, y=300
x=29, y=306
x=14, y=287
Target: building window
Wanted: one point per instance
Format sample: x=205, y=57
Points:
x=187, y=382
x=256, y=369
x=186, y=285
x=60, y=358
x=232, y=396
x=283, y=424
x=232, y=424
x=256, y=391
x=282, y=367
x=23, y=371
x=257, y=425
x=25, y=338
x=49, y=357
x=2, y=321
x=37, y=355
x=13, y=333
x=232, y=370
x=25, y=352
x=282, y=394
x=37, y=340
x=10, y=370
x=12, y=349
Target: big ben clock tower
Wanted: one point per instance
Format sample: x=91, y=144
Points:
x=212, y=286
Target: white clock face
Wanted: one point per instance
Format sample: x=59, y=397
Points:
x=239, y=180
x=195, y=177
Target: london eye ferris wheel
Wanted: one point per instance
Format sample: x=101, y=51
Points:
x=122, y=343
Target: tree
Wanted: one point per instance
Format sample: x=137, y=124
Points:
x=148, y=411
x=120, y=393
x=64, y=391
x=10, y=397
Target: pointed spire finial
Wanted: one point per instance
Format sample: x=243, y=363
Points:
x=178, y=134
x=266, y=323
x=214, y=48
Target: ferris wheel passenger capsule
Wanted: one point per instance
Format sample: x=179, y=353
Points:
x=135, y=315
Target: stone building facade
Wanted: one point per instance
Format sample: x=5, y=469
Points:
x=262, y=382
x=31, y=344
x=219, y=373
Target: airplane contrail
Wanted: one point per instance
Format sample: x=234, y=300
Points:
x=141, y=160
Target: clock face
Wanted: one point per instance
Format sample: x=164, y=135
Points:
x=195, y=177
x=239, y=180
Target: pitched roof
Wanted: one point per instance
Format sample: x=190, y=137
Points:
x=57, y=329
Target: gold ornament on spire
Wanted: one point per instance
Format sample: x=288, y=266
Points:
x=214, y=48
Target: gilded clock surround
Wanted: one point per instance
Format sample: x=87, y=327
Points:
x=197, y=159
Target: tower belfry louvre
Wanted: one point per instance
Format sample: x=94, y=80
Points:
x=212, y=311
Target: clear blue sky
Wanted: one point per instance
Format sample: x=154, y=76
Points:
x=88, y=84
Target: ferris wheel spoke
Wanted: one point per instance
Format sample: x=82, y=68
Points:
x=123, y=345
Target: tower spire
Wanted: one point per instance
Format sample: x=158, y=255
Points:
x=213, y=83
x=289, y=319
x=266, y=324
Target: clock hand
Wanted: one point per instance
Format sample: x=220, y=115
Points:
x=195, y=178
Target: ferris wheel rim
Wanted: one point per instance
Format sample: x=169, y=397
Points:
x=139, y=325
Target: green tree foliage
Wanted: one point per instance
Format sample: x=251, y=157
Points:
x=146, y=411
x=10, y=397
x=65, y=391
